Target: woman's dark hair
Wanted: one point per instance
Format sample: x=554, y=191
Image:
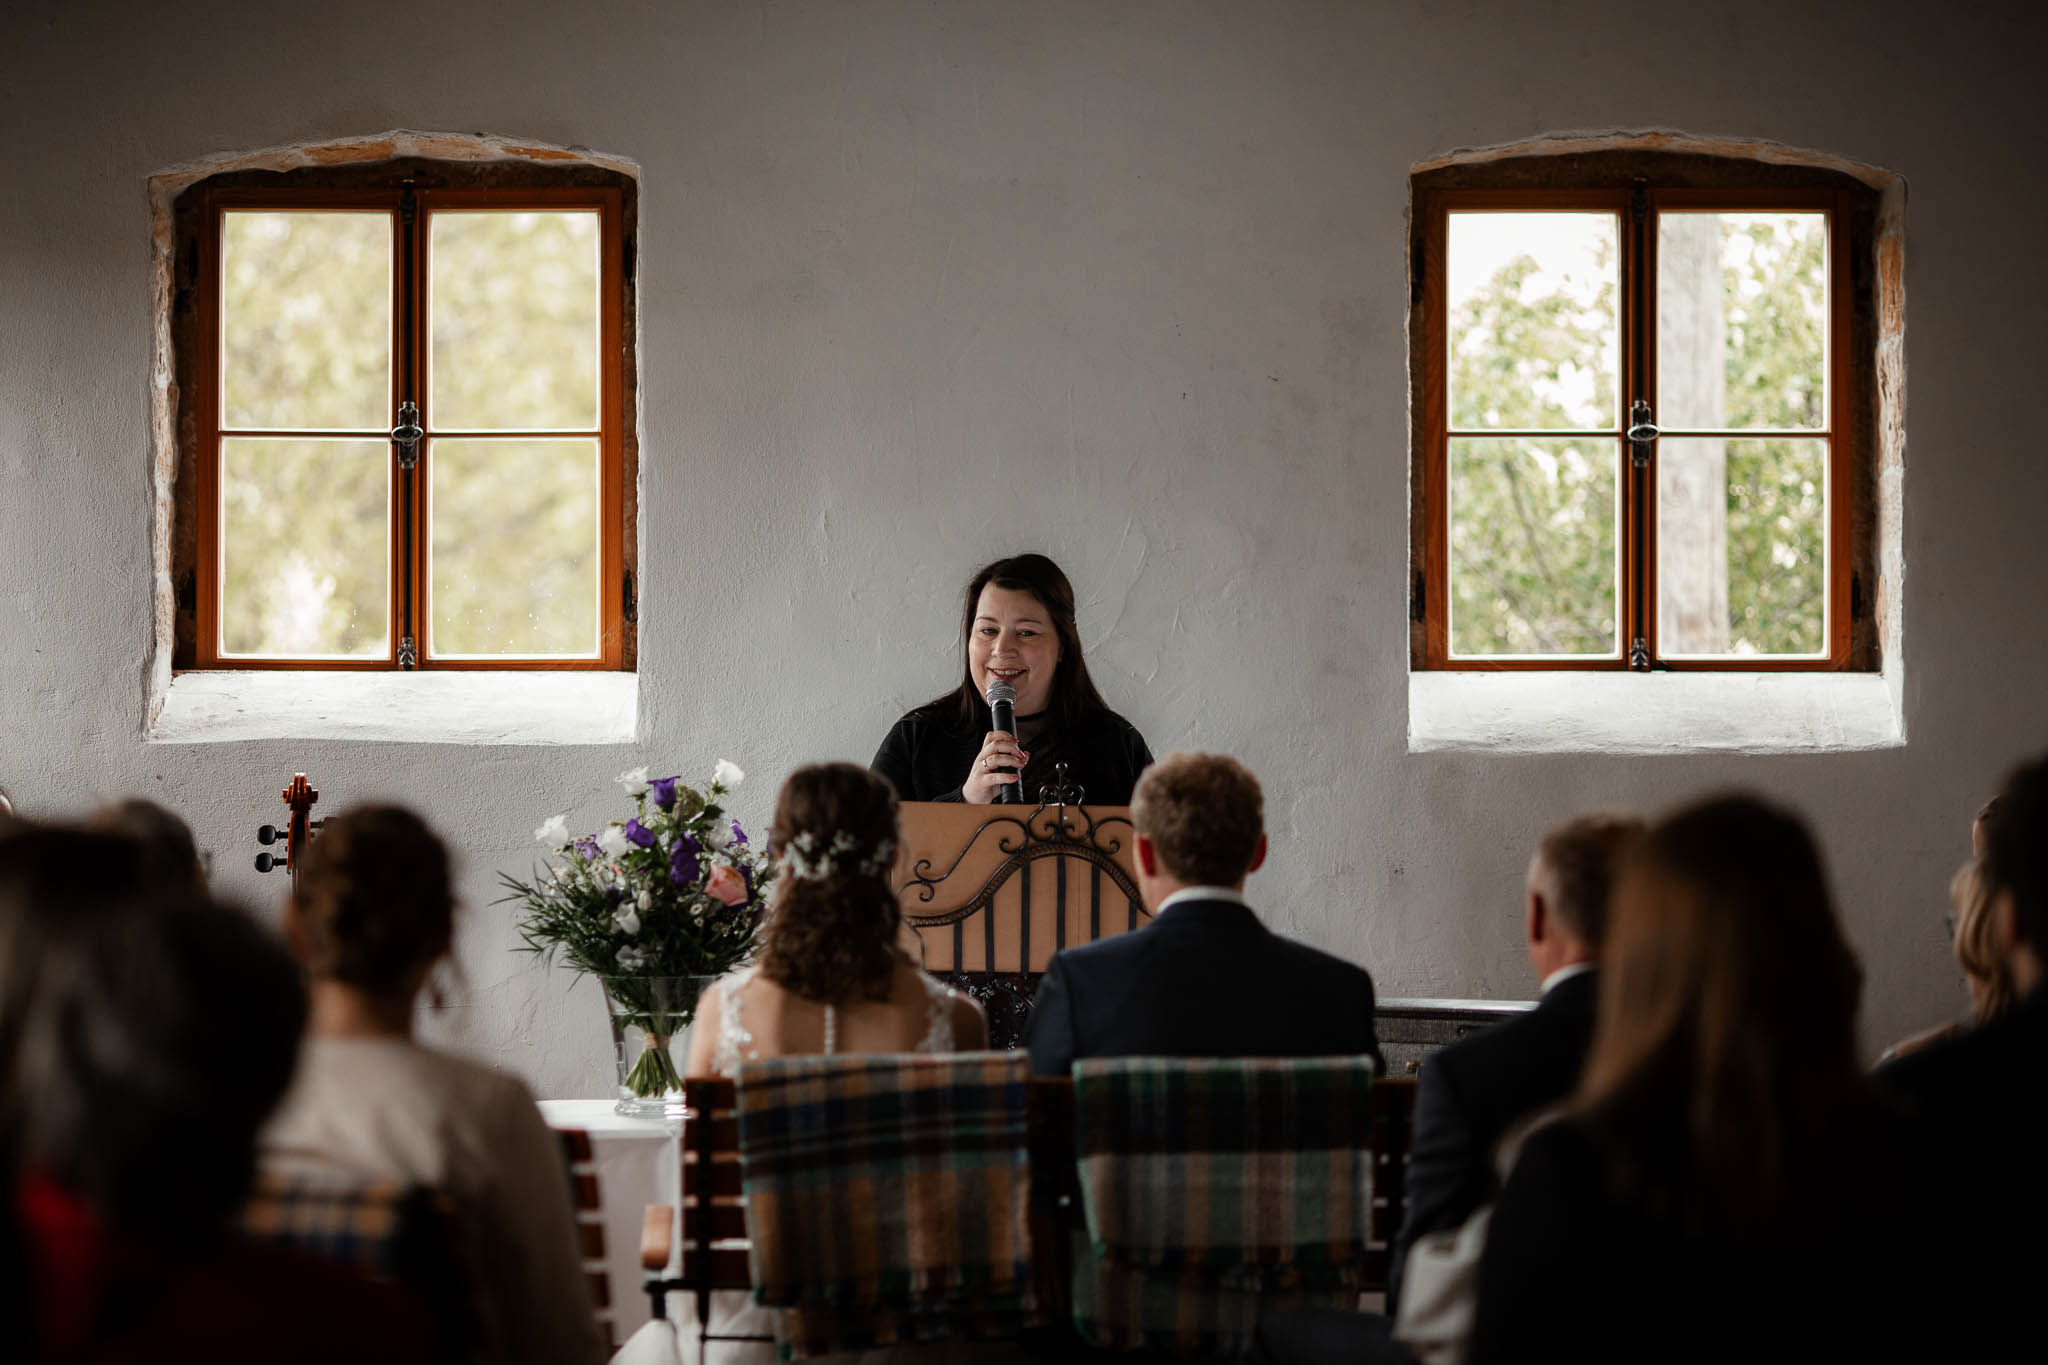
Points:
x=1073, y=691
x=170, y=857
x=1723, y=1066
x=373, y=900
x=150, y=1032
x=832, y=937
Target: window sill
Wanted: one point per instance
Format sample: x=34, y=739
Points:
x=402, y=708
x=1656, y=713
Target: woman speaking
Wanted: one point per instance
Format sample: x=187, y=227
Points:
x=1017, y=627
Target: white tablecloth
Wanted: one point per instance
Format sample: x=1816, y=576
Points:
x=639, y=1162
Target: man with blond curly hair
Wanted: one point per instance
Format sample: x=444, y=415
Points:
x=1205, y=978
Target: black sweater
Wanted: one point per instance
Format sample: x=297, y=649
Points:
x=928, y=753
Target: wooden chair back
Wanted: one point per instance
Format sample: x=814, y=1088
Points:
x=586, y=1201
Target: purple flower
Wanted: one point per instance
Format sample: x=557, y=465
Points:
x=587, y=849
x=739, y=836
x=664, y=791
x=682, y=864
x=639, y=834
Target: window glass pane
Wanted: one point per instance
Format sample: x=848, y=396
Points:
x=514, y=547
x=1742, y=320
x=304, y=546
x=514, y=321
x=305, y=320
x=1741, y=546
x=1534, y=563
x=1534, y=320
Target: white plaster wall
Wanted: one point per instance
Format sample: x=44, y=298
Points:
x=926, y=283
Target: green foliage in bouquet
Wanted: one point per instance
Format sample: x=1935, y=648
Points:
x=674, y=890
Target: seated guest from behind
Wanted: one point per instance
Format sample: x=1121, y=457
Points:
x=1017, y=627
x=1981, y=1095
x=832, y=975
x=371, y=916
x=1471, y=1093
x=1723, y=1185
x=145, y=1034
x=1205, y=978
x=1987, y=976
x=832, y=978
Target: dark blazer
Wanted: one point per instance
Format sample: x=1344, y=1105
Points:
x=1574, y=1270
x=1982, y=1107
x=1204, y=979
x=1472, y=1092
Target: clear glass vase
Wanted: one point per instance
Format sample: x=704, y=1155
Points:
x=651, y=1018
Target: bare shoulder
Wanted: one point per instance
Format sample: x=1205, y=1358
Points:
x=970, y=1022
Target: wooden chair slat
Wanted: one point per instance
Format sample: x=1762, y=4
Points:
x=718, y=1222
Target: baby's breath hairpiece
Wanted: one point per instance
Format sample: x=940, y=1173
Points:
x=806, y=862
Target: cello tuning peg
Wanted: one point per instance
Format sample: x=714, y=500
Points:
x=267, y=834
x=264, y=862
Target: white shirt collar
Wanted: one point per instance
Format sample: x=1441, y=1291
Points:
x=1564, y=974
x=1201, y=893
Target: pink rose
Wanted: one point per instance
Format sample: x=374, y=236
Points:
x=726, y=884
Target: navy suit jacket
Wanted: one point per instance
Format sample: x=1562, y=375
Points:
x=1204, y=979
x=1472, y=1092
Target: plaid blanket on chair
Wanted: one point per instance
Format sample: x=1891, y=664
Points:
x=887, y=1197
x=381, y=1227
x=1214, y=1187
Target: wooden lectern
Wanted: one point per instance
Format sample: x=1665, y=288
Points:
x=990, y=893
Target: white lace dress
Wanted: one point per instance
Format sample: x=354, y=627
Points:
x=733, y=1311
x=736, y=1042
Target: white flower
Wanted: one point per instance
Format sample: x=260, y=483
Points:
x=634, y=781
x=626, y=920
x=631, y=959
x=646, y=901
x=554, y=832
x=727, y=773
x=719, y=836
x=614, y=841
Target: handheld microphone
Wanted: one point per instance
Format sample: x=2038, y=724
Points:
x=1002, y=710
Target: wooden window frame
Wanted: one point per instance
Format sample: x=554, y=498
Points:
x=411, y=204
x=1850, y=456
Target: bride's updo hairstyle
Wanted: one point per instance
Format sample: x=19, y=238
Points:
x=832, y=936
x=373, y=902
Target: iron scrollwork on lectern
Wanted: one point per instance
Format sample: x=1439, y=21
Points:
x=1062, y=829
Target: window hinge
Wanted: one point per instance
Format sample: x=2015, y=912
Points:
x=1639, y=654
x=1418, y=600
x=407, y=434
x=408, y=206
x=1642, y=433
x=630, y=606
x=408, y=653
x=1639, y=201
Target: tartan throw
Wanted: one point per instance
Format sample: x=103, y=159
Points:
x=1215, y=1188
x=887, y=1197
x=370, y=1225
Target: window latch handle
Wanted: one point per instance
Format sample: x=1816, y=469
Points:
x=407, y=434
x=1642, y=433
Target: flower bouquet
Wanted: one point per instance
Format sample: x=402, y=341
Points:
x=673, y=891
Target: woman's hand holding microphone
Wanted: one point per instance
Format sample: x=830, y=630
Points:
x=986, y=781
